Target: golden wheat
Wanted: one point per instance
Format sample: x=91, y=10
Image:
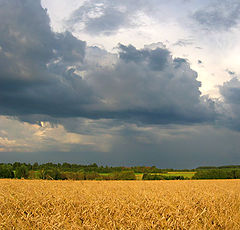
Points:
x=32, y=204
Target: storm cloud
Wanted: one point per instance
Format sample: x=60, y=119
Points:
x=230, y=92
x=53, y=74
x=151, y=86
x=37, y=65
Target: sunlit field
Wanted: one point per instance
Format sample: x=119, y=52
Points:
x=184, y=174
x=191, y=204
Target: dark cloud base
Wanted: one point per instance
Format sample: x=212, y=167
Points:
x=147, y=157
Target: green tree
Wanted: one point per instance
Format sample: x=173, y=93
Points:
x=35, y=166
x=6, y=171
x=21, y=172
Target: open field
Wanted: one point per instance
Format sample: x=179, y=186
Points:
x=184, y=174
x=139, y=176
x=39, y=204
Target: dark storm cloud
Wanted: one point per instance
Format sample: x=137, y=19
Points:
x=157, y=58
x=219, y=15
x=56, y=75
x=37, y=65
x=230, y=92
x=150, y=86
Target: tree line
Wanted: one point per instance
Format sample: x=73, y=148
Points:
x=67, y=171
x=218, y=173
x=52, y=173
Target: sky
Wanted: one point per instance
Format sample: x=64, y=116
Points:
x=119, y=83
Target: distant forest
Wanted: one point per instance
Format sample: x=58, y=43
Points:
x=67, y=171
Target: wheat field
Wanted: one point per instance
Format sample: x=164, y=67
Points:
x=38, y=204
